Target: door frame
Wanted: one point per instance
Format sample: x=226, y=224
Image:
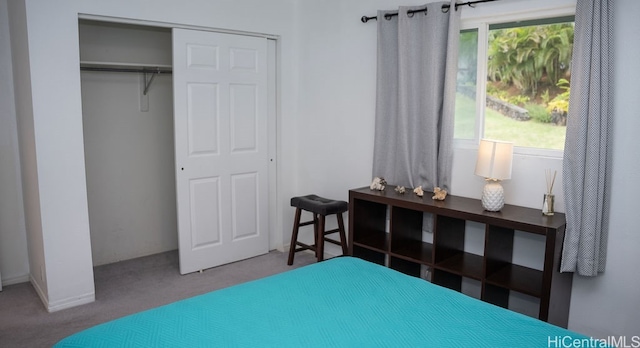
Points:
x=273, y=113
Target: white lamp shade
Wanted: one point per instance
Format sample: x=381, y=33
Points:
x=494, y=159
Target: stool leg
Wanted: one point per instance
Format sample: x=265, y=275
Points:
x=315, y=233
x=343, y=236
x=294, y=236
x=320, y=239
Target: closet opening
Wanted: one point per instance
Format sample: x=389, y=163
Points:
x=127, y=116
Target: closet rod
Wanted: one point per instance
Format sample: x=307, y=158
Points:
x=127, y=70
x=147, y=82
x=445, y=8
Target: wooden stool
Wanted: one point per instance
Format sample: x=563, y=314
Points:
x=320, y=207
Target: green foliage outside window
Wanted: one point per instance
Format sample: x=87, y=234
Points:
x=561, y=102
x=529, y=66
x=527, y=57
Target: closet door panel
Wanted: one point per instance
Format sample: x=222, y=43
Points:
x=244, y=117
x=202, y=119
x=220, y=113
x=205, y=215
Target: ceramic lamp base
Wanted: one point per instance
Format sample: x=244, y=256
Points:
x=493, y=196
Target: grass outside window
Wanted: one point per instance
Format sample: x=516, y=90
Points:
x=499, y=127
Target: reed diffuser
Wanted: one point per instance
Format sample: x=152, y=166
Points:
x=548, y=200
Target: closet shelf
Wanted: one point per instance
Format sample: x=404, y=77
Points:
x=145, y=69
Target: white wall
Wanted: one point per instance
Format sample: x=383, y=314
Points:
x=51, y=157
x=26, y=140
x=129, y=153
x=14, y=260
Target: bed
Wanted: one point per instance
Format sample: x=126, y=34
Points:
x=342, y=302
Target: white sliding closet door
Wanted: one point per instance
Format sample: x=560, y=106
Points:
x=220, y=111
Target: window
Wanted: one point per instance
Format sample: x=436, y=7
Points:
x=514, y=83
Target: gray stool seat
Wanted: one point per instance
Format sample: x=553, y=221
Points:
x=319, y=205
x=320, y=208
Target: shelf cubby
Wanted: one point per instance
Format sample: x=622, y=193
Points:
x=416, y=251
x=369, y=255
x=404, y=266
x=462, y=264
x=374, y=240
x=519, y=278
x=447, y=279
x=373, y=229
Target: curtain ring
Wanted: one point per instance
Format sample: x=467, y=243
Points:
x=387, y=16
x=410, y=14
x=445, y=9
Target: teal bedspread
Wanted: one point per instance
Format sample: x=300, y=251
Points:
x=342, y=302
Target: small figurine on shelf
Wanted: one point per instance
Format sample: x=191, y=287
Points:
x=378, y=184
x=439, y=194
x=400, y=189
x=419, y=191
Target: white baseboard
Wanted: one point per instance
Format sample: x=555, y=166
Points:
x=15, y=280
x=64, y=303
x=39, y=291
x=71, y=302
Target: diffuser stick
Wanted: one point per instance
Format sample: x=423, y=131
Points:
x=553, y=181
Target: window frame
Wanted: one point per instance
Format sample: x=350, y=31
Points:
x=481, y=24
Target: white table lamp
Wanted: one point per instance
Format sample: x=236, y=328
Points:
x=494, y=164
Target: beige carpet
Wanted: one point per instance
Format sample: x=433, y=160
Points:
x=123, y=288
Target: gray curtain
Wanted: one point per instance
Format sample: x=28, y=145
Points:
x=416, y=77
x=587, y=153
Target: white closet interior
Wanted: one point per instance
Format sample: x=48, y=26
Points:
x=128, y=140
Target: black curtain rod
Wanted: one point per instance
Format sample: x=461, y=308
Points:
x=445, y=8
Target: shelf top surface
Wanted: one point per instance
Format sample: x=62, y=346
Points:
x=455, y=206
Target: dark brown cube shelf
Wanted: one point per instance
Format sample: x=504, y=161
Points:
x=385, y=227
